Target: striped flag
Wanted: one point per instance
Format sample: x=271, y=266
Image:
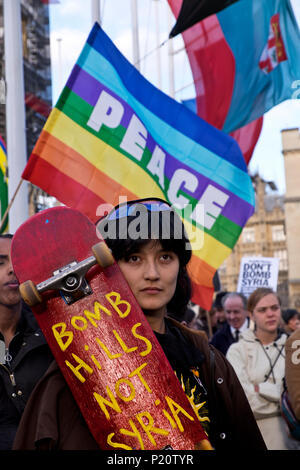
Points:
x=113, y=134
x=213, y=67
x=245, y=60
x=3, y=184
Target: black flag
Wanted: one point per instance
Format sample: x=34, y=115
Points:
x=193, y=11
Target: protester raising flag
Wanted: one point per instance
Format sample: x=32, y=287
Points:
x=193, y=11
x=248, y=61
x=113, y=134
x=3, y=185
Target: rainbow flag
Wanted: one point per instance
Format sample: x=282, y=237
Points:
x=113, y=134
x=3, y=184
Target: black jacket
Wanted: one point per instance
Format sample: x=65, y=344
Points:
x=30, y=357
x=222, y=339
x=233, y=423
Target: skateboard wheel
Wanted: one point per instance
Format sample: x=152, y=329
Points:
x=103, y=255
x=29, y=293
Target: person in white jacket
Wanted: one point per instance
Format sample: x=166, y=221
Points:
x=259, y=362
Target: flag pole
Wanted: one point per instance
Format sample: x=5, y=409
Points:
x=15, y=112
x=10, y=204
x=171, y=59
x=96, y=14
x=135, y=34
x=158, y=45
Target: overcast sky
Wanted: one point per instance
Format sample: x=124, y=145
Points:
x=71, y=21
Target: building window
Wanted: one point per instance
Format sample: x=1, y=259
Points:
x=248, y=235
x=283, y=260
x=278, y=234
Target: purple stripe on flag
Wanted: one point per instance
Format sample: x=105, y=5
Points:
x=88, y=88
x=236, y=209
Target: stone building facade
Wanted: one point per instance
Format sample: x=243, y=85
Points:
x=273, y=230
x=264, y=235
x=291, y=153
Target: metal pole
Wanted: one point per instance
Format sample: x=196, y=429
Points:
x=15, y=112
x=157, y=45
x=96, y=14
x=135, y=34
x=60, y=81
x=171, y=58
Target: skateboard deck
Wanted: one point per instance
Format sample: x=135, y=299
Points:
x=112, y=361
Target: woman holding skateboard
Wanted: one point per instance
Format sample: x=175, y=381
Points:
x=149, y=242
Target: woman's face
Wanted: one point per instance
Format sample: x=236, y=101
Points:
x=267, y=314
x=294, y=323
x=151, y=273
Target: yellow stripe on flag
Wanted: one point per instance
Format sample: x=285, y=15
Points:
x=101, y=155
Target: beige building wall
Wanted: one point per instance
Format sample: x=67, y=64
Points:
x=291, y=152
x=264, y=235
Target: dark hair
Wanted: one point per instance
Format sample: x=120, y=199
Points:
x=122, y=246
x=289, y=313
x=259, y=294
x=217, y=304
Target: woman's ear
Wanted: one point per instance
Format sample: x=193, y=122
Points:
x=251, y=321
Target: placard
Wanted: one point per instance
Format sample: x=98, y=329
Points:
x=257, y=272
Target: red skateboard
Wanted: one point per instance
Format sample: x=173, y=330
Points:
x=111, y=360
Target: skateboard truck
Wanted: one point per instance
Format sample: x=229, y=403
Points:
x=70, y=279
x=73, y=284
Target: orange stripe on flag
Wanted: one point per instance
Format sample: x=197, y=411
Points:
x=71, y=163
x=201, y=271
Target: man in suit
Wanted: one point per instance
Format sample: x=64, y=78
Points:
x=235, y=306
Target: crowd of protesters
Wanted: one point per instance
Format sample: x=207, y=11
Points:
x=260, y=340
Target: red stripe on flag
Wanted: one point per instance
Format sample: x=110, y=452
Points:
x=61, y=186
x=213, y=106
x=211, y=58
x=46, y=2
x=202, y=296
x=247, y=137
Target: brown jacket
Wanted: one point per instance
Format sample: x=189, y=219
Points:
x=53, y=420
x=292, y=370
